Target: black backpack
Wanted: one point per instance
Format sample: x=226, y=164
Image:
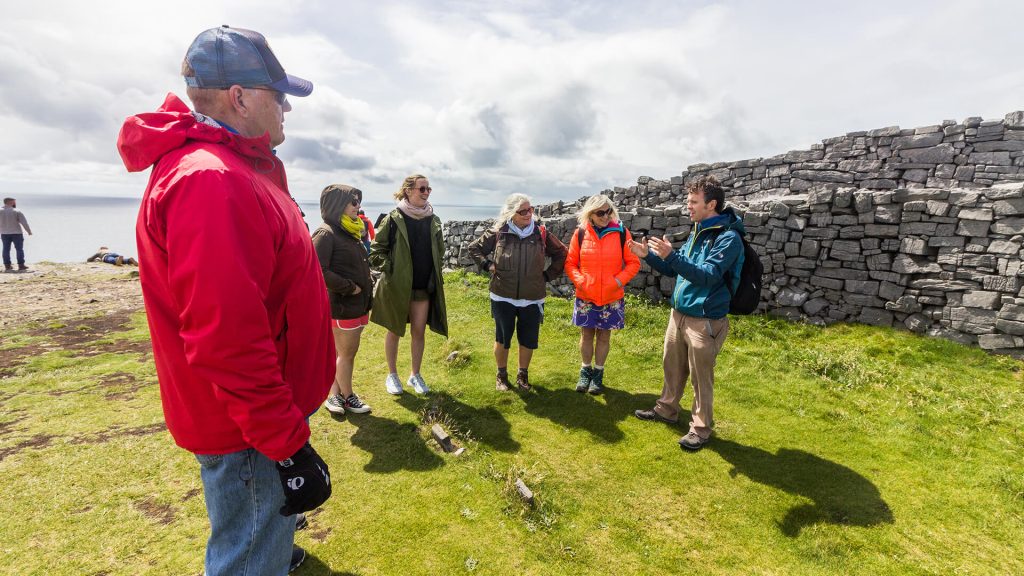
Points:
x=748, y=294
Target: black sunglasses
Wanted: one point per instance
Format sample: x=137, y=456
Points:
x=356, y=201
x=424, y=189
x=279, y=96
x=525, y=211
x=602, y=213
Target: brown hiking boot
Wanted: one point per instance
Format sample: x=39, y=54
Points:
x=523, y=380
x=501, y=383
x=22, y=267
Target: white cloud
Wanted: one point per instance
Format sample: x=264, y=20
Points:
x=557, y=100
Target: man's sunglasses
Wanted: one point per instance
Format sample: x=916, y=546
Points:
x=279, y=96
x=602, y=213
x=525, y=211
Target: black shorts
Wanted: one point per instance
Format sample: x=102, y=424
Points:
x=507, y=318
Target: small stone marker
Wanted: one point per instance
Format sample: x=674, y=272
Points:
x=442, y=438
x=445, y=441
x=524, y=491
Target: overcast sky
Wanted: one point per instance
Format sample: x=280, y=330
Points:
x=555, y=99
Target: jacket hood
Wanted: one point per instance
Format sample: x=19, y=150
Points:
x=728, y=219
x=145, y=138
x=333, y=201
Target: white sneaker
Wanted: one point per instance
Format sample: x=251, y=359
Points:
x=335, y=404
x=392, y=384
x=416, y=383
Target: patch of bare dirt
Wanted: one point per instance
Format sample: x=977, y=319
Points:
x=11, y=358
x=8, y=427
x=37, y=441
x=113, y=432
x=56, y=291
x=150, y=508
x=191, y=494
x=121, y=386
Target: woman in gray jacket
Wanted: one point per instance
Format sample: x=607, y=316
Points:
x=513, y=251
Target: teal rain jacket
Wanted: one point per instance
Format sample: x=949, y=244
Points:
x=713, y=249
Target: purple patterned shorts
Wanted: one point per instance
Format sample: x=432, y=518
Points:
x=608, y=317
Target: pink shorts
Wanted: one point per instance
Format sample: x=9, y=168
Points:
x=351, y=323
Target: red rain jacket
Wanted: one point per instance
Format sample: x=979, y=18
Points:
x=234, y=295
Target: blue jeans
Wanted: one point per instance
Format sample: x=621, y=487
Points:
x=19, y=242
x=248, y=536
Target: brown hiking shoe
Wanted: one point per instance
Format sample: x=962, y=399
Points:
x=501, y=383
x=523, y=380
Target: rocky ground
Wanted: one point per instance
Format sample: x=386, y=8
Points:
x=50, y=291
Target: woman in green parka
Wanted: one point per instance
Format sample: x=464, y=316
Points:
x=407, y=251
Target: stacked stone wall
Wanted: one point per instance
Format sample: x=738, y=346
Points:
x=938, y=254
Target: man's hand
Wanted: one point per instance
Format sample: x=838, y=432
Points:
x=306, y=481
x=661, y=246
x=640, y=249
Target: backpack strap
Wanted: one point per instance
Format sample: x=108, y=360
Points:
x=622, y=240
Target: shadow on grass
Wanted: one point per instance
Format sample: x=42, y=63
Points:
x=838, y=494
x=485, y=425
x=313, y=566
x=392, y=446
x=571, y=409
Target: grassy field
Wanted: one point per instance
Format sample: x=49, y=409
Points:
x=848, y=449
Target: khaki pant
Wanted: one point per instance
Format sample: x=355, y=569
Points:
x=691, y=347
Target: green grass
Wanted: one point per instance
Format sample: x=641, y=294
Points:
x=843, y=449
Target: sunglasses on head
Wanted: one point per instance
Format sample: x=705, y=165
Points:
x=602, y=213
x=525, y=211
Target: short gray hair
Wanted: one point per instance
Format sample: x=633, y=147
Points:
x=509, y=207
x=593, y=204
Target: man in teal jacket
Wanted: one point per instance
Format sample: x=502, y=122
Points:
x=707, y=271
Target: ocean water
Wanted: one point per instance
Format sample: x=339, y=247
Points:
x=72, y=228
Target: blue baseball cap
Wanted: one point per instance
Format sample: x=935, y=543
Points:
x=223, y=57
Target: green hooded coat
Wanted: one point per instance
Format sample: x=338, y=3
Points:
x=393, y=292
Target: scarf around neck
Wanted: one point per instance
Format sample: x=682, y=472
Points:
x=353, y=226
x=414, y=212
x=522, y=232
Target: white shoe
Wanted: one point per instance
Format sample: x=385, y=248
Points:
x=392, y=384
x=335, y=404
x=416, y=383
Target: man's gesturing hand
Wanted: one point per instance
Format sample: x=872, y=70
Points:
x=306, y=481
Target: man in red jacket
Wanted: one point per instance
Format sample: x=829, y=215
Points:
x=234, y=297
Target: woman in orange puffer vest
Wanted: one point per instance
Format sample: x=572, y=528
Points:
x=600, y=266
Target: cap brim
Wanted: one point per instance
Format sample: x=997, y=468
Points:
x=293, y=86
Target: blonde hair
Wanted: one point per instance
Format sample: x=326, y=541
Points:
x=509, y=207
x=408, y=184
x=593, y=204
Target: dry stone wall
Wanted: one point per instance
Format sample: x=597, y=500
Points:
x=937, y=253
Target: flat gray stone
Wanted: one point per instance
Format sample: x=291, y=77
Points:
x=983, y=214
x=980, y=299
x=1009, y=226
x=904, y=264
x=995, y=341
x=875, y=317
x=906, y=304
x=941, y=154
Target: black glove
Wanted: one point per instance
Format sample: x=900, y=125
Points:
x=305, y=479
